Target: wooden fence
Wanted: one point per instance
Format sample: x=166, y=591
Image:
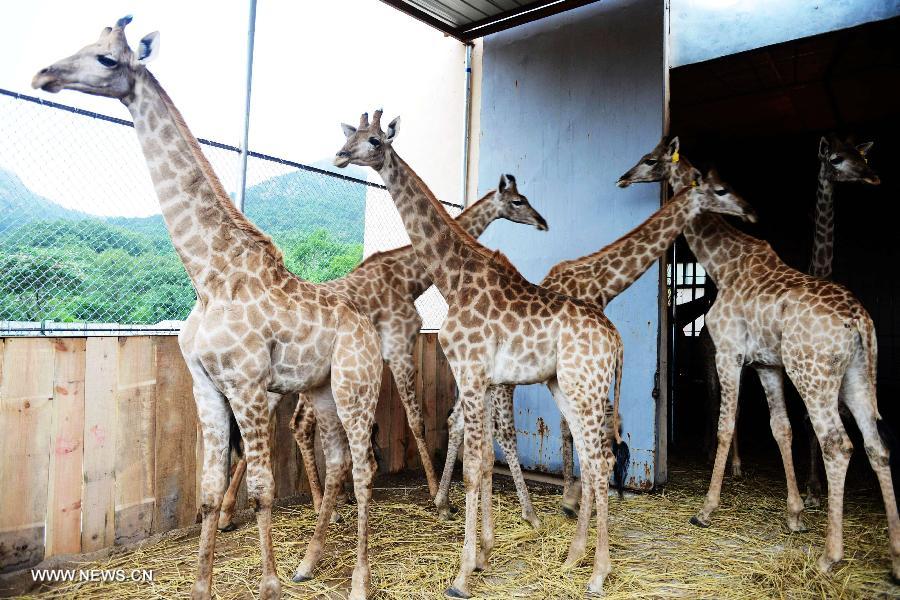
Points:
x=99, y=445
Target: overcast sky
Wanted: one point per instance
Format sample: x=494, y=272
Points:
x=317, y=62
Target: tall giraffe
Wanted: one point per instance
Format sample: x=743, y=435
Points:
x=385, y=286
x=598, y=278
x=775, y=319
x=500, y=328
x=255, y=327
x=839, y=161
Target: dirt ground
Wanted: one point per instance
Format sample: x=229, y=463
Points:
x=656, y=553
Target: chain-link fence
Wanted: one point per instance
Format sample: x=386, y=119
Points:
x=83, y=247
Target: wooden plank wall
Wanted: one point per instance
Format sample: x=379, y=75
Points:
x=99, y=444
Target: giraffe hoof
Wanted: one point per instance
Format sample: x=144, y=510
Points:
x=452, y=592
x=453, y=510
x=300, y=577
x=230, y=527
x=570, y=512
x=698, y=523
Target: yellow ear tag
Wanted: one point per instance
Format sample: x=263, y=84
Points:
x=676, y=157
x=693, y=183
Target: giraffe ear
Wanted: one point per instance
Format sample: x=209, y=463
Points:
x=392, y=129
x=148, y=48
x=348, y=129
x=501, y=187
x=674, y=146
x=864, y=148
x=824, y=146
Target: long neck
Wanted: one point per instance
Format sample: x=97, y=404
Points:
x=602, y=276
x=210, y=235
x=440, y=244
x=822, y=257
x=717, y=245
x=476, y=218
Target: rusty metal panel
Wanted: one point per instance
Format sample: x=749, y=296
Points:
x=568, y=104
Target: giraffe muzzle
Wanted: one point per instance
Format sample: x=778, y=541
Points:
x=47, y=80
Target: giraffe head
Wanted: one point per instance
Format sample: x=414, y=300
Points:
x=711, y=194
x=104, y=68
x=845, y=161
x=656, y=165
x=367, y=144
x=512, y=205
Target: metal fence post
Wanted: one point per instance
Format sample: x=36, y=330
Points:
x=251, y=35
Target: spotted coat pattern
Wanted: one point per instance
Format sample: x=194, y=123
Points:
x=385, y=287
x=598, y=278
x=255, y=327
x=501, y=329
x=776, y=319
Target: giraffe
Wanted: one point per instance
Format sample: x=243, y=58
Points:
x=499, y=329
x=839, y=161
x=598, y=278
x=385, y=286
x=776, y=319
x=255, y=327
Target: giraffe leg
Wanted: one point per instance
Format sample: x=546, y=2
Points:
x=735, y=455
x=602, y=564
x=303, y=426
x=578, y=544
x=253, y=416
x=404, y=371
x=487, y=472
x=729, y=371
x=213, y=414
x=363, y=471
x=814, y=477
x=505, y=434
x=337, y=463
x=227, y=511
x=859, y=396
x=472, y=387
x=837, y=448
x=772, y=380
x=455, y=428
x=571, y=493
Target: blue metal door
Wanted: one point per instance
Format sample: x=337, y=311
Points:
x=567, y=105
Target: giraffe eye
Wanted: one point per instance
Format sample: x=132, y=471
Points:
x=650, y=162
x=107, y=61
x=375, y=141
x=517, y=202
x=837, y=160
x=721, y=192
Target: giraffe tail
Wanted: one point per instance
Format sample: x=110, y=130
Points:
x=621, y=452
x=866, y=329
x=617, y=418
x=234, y=435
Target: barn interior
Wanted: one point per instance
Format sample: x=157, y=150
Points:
x=758, y=117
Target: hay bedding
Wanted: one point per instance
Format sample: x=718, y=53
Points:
x=747, y=553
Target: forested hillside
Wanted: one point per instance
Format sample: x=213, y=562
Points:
x=66, y=265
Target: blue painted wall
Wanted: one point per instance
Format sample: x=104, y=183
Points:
x=707, y=29
x=568, y=104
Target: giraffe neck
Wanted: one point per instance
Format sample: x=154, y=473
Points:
x=602, y=276
x=716, y=244
x=476, y=218
x=822, y=257
x=210, y=235
x=440, y=244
